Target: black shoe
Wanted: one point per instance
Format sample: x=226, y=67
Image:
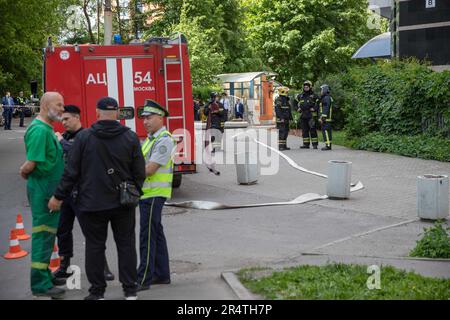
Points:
x=326, y=148
x=304, y=147
x=94, y=297
x=54, y=293
x=141, y=287
x=160, y=281
x=287, y=148
x=315, y=147
x=59, y=281
x=131, y=296
x=62, y=271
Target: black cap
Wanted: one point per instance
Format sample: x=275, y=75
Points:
x=70, y=108
x=107, y=103
x=153, y=107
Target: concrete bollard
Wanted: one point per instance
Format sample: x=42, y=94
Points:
x=246, y=160
x=339, y=179
x=432, y=196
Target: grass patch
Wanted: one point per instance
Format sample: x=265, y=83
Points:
x=435, y=242
x=344, y=282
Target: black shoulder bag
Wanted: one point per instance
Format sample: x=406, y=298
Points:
x=129, y=192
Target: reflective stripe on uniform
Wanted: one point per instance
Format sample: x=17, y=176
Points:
x=148, y=242
x=44, y=228
x=157, y=184
x=39, y=265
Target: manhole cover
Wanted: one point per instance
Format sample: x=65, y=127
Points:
x=178, y=266
x=173, y=210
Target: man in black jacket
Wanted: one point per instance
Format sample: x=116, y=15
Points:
x=72, y=123
x=98, y=197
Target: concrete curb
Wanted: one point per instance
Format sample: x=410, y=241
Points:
x=236, y=286
x=380, y=257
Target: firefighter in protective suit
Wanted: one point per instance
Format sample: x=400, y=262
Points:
x=326, y=113
x=308, y=108
x=283, y=115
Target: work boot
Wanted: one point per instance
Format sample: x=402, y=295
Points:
x=315, y=146
x=287, y=148
x=59, y=281
x=109, y=276
x=61, y=273
x=94, y=297
x=54, y=293
x=326, y=148
x=305, y=146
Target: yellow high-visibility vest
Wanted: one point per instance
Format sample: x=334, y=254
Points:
x=158, y=184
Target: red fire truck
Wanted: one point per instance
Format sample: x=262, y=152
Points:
x=157, y=69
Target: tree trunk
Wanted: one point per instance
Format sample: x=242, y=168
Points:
x=88, y=21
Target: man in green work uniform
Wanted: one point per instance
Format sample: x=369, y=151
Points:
x=157, y=150
x=43, y=169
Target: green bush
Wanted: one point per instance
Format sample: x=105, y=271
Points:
x=435, y=243
x=204, y=92
x=421, y=146
x=397, y=97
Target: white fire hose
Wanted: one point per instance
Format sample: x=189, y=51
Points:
x=304, y=198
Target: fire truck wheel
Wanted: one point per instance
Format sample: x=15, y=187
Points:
x=176, y=183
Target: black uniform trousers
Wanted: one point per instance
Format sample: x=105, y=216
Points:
x=65, y=227
x=95, y=229
x=21, y=116
x=283, y=132
x=309, y=132
x=327, y=133
x=154, y=263
x=7, y=114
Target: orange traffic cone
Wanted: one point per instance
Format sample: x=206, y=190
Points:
x=15, y=251
x=20, y=229
x=55, y=260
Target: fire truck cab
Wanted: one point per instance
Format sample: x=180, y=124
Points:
x=157, y=69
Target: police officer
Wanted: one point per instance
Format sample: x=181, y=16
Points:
x=21, y=101
x=283, y=116
x=72, y=123
x=308, y=108
x=157, y=150
x=326, y=112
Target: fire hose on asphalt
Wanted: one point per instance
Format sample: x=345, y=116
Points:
x=304, y=198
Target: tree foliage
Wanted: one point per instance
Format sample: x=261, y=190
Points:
x=304, y=39
x=24, y=29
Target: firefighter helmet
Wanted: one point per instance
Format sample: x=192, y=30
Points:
x=307, y=83
x=283, y=91
x=325, y=89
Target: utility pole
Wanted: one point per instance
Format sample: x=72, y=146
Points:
x=108, y=22
x=99, y=8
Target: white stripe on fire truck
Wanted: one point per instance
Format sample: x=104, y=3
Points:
x=111, y=73
x=128, y=89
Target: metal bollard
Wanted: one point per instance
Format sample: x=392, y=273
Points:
x=246, y=160
x=339, y=179
x=432, y=196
